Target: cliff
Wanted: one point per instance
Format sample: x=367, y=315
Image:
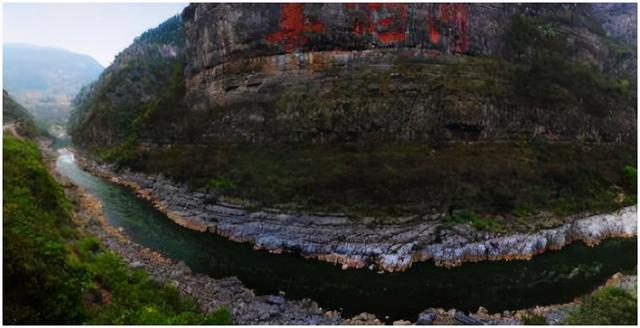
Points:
x=379, y=109
x=334, y=72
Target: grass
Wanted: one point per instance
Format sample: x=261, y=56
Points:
x=59, y=277
x=534, y=320
x=482, y=223
x=607, y=306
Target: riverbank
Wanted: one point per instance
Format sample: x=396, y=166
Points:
x=229, y=292
x=211, y=294
x=390, y=246
x=555, y=314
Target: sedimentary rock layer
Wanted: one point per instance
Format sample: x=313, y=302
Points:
x=358, y=243
x=273, y=73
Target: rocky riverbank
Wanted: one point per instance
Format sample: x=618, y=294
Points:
x=245, y=306
x=211, y=294
x=357, y=243
x=555, y=314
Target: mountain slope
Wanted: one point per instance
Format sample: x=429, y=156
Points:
x=59, y=273
x=14, y=114
x=108, y=108
x=45, y=79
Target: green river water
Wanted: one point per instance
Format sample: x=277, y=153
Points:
x=553, y=277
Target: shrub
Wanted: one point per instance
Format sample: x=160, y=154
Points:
x=483, y=223
x=607, y=306
x=56, y=278
x=535, y=320
x=546, y=76
x=136, y=299
x=44, y=285
x=632, y=174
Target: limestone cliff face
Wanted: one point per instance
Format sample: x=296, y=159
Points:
x=219, y=33
x=336, y=72
x=320, y=73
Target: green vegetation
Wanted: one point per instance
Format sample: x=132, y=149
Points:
x=607, y=306
x=535, y=320
x=136, y=80
x=399, y=178
x=58, y=277
x=632, y=174
x=13, y=112
x=483, y=223
x=128, y=94
x=117, y=295
x=169, y=32
x=44, y=284
x=545, y=75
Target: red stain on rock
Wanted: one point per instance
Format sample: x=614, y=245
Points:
x=434, y=34
x=390, y=20
x=362, y=28
x=401, y=11
x=391, y=36
x=448, y=24
x=385, y=21
x=457, y=14
x=294, y=27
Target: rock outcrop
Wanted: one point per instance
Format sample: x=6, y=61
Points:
x=295, y=62
x=392, y=246
x=321, y=73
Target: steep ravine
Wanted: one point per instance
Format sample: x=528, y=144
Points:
x=360, y=243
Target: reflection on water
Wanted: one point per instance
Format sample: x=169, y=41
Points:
x=553, y=277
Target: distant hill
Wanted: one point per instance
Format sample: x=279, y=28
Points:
x=14, y=113
x=45, y=79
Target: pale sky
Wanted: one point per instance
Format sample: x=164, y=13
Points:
x=100, y=30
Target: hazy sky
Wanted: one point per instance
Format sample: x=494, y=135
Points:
x=98, y=30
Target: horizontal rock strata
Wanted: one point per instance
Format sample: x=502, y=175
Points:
x=361, y=243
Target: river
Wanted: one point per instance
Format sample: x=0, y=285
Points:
x=553, y=277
